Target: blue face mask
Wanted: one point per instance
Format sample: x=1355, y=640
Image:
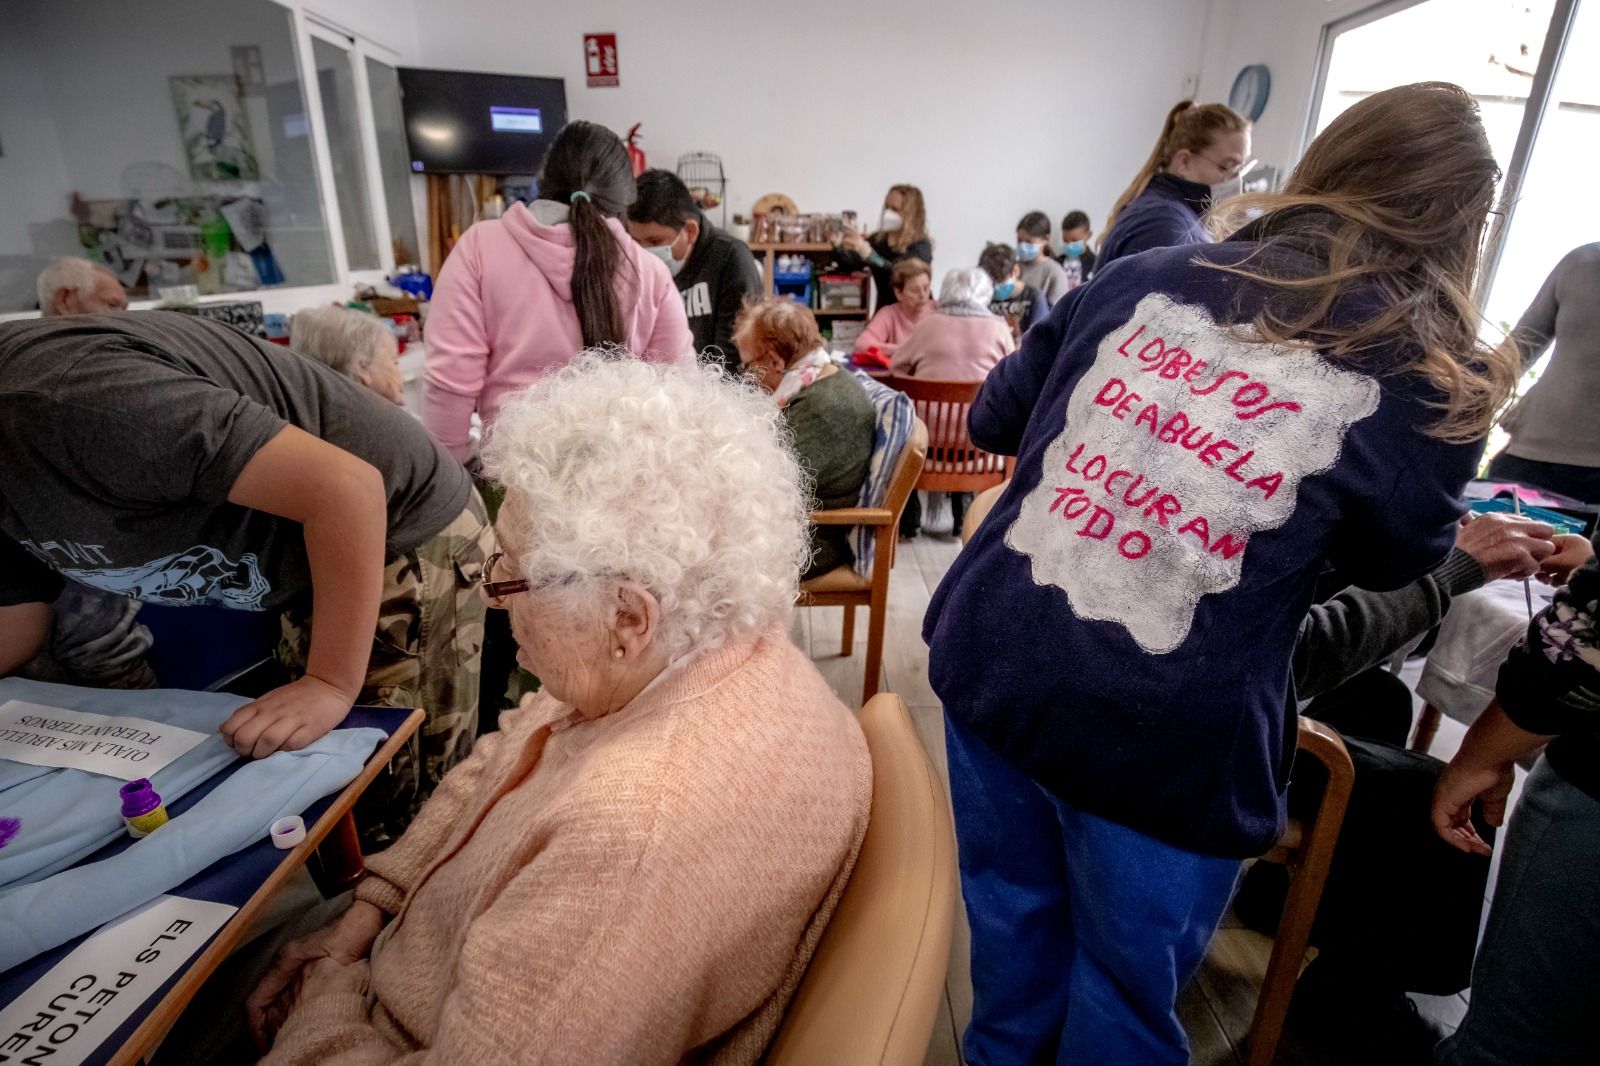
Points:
x=663, y=252
x=1071, y=249
x=1028, y=251
x=1005, y=290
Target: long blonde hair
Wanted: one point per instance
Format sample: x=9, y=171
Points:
x=1391, y=199
x=914, y=219
x=1188, y=126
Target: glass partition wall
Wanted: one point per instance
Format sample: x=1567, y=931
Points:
x=232, y=145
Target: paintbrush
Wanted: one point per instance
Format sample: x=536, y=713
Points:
x=1527, y=589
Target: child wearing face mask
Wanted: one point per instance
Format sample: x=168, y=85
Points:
x=713, y=270
x=1074, y=250
x=902, y=233
x=1020, y=305
x=1202, y=147
x=1039, y=270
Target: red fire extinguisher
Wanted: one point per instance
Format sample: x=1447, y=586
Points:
x=635, y=153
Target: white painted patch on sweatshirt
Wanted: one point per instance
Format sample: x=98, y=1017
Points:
x=1180, y=443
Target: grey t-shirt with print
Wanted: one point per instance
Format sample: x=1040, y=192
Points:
x=122, y=434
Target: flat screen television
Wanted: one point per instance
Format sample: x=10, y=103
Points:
x=464, y=122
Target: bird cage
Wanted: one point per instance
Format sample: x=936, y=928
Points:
x=702, y=172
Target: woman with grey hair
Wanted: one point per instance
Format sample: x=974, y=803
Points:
x=352, y=343
x=962, y=340
x=637, y=866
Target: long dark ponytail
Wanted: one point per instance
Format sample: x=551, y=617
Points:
x=588, y=168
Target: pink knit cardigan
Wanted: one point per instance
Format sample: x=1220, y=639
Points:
x=645, y=887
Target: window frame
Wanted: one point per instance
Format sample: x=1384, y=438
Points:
x=356, y=51
x=1563, y=13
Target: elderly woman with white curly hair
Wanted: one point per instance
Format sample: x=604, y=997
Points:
x=637, y=867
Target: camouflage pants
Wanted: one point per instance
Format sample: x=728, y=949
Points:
x=426, y=654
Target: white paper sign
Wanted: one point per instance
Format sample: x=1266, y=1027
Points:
x=127, y=748
x=66, y=1015
x=1181, y=441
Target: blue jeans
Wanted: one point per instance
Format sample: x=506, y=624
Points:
x=1534, y=981
x=1083, y=930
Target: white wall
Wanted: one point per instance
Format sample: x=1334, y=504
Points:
x=992, y=111
x=390, y=23
x=1286, y=36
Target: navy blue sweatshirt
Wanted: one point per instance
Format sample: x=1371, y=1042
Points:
x=716, y=281
x=1122, y=625
x=1166, y=214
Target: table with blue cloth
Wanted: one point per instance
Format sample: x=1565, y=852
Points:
x=246, y=879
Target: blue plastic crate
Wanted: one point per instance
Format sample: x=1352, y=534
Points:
x=798, y=291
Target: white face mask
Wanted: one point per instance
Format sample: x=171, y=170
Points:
x=891, y=220
x=1224, y=189
x=663, y=252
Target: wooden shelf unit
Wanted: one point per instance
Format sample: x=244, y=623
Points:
x=768, y=255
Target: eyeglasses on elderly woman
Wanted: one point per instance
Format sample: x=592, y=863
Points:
x=497, y=591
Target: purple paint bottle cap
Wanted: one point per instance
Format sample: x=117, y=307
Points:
x=138, y=798
x=287, y=832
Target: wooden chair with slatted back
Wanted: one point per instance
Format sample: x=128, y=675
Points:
x=842, y=586
x=1308, y=854
x=979, y=509
x=954, y=463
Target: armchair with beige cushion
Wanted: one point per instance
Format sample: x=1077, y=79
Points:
x=872, y=991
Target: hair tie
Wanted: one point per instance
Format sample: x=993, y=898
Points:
x=580, y=193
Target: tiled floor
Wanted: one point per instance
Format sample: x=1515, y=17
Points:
x=1217, y=1006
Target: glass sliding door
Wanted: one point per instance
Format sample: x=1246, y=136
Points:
x=341, y=117
x=394, y=161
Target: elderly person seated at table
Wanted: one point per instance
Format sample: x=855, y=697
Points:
x=912, y=281
x=637, y=867
x=962, y=340
x=354, y=344
x=829, y=415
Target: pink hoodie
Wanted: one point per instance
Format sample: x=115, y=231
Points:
x=502, y=317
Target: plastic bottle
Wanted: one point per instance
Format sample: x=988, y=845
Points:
x=142, y=808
